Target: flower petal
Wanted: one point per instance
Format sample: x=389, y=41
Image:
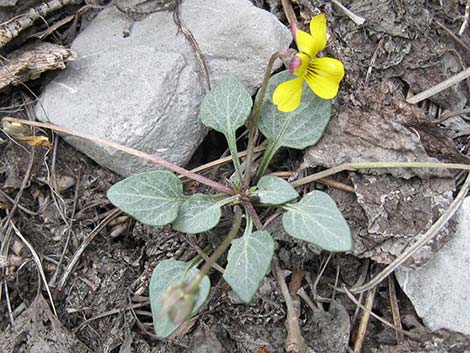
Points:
x=307, y=44
x=318, y=28
x=323, y=76
x=288, y=94
x=312, y=44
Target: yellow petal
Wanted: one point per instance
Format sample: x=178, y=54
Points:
x=312, y=44
x=318, y=28
x=323, y=76
x=288, y=94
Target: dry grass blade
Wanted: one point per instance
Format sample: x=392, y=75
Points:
x=290, y=14
x=465, y=18
x=371, y=313
x=394, y=307
x=440, y=87
x=362, y=329
x=110, y=312
x=115, y=213
x=453, y=36
x=38, y=263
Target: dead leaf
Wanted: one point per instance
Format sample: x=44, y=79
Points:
x=397, y=210
x=38, y=330
x=15, y=129
x=35, y=141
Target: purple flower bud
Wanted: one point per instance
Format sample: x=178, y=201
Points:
x=294, y=64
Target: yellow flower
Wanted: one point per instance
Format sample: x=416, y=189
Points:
x=323, y=75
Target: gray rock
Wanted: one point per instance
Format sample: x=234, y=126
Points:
x=440, y=290
x=144, y=91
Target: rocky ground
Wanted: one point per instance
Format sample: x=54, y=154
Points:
x=131, y=73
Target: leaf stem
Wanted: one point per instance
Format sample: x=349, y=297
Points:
x=376, y=165
x=218, y=252
x=252, y=137
x=152, y=158
x=252, y=213
x=232, y=146
x=266, y=160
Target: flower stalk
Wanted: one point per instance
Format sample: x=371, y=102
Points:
x=253, y=135
x=194, y=284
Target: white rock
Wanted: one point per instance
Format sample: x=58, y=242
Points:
x=440, y=290
x=144, y=91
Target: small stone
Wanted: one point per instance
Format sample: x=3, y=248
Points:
x=144, y=91
x=440, y=290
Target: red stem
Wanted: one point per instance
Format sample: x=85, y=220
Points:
x=155, y=159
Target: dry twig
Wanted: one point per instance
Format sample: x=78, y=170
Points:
x=362, y=329
x=440, y=86
x=38, y=263
x=29, y=62
x=11, y=29
x=454, y=37
x=194, y=44
x=355, y=18
x=465, y=18
x=375, y=316
x=295, y=341
x=394, y=308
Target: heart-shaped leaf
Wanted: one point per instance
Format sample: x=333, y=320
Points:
x=226, y=107
x=247, y=263
x=166, y=273
x=152, y=198
x=316, y=219
x=197, y=214
x=300, y=128
x=275, y=191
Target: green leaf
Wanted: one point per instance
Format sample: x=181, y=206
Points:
x=166, y=273
x=197, y=214
x=248, y=262
x=275, y=191
x=226, y=107
x=316, y=219
x=152, y=198
x=300, y=128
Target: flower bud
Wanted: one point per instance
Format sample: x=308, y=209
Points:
x=294, y=64
x=178, y=303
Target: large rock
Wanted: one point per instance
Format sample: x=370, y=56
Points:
x=440, y=290
x=144, y=91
